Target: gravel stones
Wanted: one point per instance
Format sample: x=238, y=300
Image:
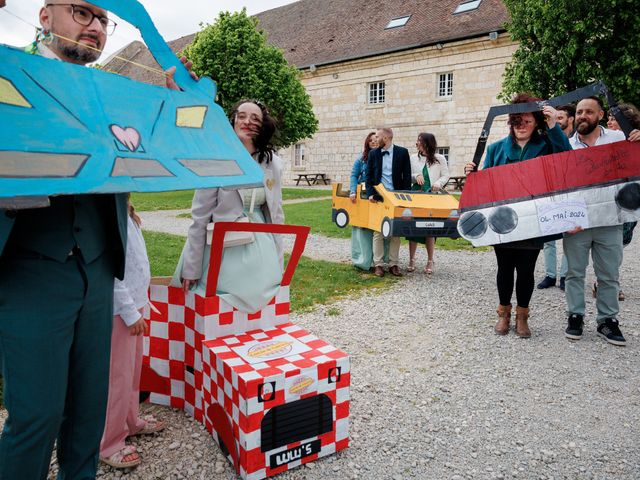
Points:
x=435, y=394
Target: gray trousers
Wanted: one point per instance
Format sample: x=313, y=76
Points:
x=605, y=244
x=551, y=262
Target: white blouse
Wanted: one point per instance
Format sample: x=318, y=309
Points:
x=132, y=292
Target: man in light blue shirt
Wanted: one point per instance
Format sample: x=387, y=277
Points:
x=391, y=166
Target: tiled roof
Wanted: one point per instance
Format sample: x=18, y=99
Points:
x=317, y=32
x=328, y=31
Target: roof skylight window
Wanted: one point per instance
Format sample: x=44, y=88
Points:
x=467, y=6
x=398, y=22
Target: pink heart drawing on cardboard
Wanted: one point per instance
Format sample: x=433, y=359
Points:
x=129, y=136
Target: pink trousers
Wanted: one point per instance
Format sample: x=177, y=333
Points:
x=124, y=389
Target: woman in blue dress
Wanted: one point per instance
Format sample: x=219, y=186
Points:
x=362, y=238
x=250, y=273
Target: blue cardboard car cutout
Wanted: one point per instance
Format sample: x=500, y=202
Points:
x=69, y=129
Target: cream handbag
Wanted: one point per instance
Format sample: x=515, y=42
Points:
x=235, y=239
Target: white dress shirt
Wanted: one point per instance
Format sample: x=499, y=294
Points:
x=606, y=136
x=132, y=292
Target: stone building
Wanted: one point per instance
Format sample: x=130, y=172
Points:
x=412, y=65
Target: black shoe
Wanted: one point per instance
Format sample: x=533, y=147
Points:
x=547, y=282
x=574, y=327
x=610, y=331
x=561, y=283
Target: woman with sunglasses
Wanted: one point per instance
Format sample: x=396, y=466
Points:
x=531, y=135
x=260, y=254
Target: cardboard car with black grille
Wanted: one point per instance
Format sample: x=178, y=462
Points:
x=398, y=213
x=273, y=395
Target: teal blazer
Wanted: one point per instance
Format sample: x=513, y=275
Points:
x=507, y=151
x=117, y=220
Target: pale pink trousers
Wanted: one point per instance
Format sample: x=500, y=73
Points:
x=124, y=389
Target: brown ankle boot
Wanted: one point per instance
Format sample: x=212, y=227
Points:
x=522, y=328
x=504, y=318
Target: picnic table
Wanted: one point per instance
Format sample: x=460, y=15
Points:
x=313, y=178
x=458, y=181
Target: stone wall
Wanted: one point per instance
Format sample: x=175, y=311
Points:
x=339, y=95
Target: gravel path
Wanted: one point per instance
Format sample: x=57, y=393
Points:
x=436, y=395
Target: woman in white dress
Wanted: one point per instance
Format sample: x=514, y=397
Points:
x=262, y=258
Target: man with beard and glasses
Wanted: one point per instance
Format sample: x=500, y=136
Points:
x=605, y=243
x=57, y=269
x=566, y=117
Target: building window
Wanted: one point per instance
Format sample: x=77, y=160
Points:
x=445, y=85
x=444, y=151
x=376, y=93
x=398, y=22
x=467, y=6
x=298, y=155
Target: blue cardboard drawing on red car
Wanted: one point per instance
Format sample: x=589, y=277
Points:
x=69, y=129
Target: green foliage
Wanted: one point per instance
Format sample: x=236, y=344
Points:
x=566, y=44
x=235, y=53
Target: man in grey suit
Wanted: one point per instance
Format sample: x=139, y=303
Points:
x=390, y=165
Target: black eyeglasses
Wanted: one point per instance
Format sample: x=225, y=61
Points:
x=84, y=17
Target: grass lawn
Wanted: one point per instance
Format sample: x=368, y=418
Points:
x=315, y=281
x=182, y=199
x=318, y=215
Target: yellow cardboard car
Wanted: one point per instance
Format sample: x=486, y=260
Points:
x=403, y=213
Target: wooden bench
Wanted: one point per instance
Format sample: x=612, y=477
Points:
x=313, y=178
x=458, y=182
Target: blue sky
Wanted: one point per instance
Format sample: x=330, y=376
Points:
x=172, y=22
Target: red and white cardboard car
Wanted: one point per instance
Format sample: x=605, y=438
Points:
x=273, y=395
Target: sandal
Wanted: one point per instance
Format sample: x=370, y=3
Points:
x=411, y=266
x=428, y=269
x=151, y=425
x=118, y=459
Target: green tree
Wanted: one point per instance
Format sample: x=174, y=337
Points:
x=566, y=44
x=235, y=53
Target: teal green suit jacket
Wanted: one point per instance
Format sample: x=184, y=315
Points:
x=117, y=220
x=506, y=151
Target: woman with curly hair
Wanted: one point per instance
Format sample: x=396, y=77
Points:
x=262, y=254
x=430, y=173
x=531, y=135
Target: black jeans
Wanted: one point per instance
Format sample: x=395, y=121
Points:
x=522, y=261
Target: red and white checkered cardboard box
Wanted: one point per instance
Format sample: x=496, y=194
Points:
x=200, y=356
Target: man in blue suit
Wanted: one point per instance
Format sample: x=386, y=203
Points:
x=390, y=165
x=57, y=266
